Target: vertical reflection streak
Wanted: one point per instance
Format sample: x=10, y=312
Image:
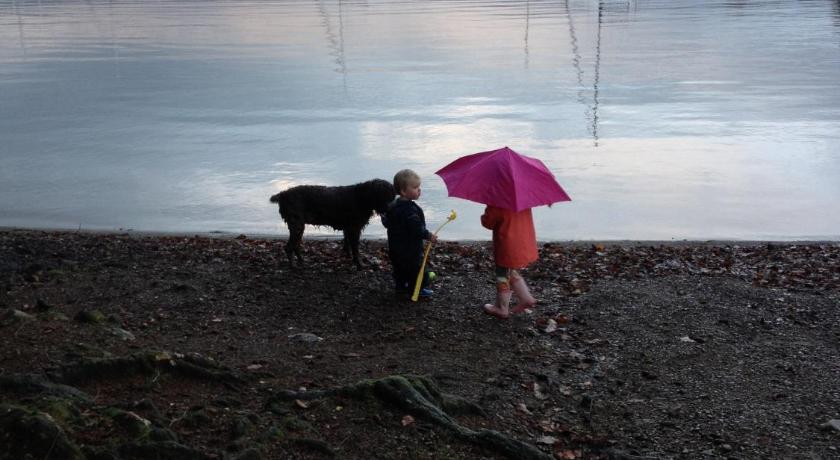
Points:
x=597, y=76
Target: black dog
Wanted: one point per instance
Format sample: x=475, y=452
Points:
x=347, y=208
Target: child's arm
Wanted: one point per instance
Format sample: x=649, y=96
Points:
x=489, y=219
x=418, y=227
x=427, y=234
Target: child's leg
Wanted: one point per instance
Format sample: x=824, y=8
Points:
x=424, y=291
x=428, y=276
x=503, y=293
x=523, y=295
x=401, y=283
x=405, y=280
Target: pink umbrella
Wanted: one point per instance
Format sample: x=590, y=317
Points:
x=502, y=178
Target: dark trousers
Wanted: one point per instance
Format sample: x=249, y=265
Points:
x=406, y=276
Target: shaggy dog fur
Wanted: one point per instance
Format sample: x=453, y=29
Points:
x=347, y=208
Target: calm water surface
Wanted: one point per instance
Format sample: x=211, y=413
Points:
x=662, y=119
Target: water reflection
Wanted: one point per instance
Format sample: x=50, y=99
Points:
x=835, y=8
x=527, y=27
x=662, y=119
x=336, y=44
x=597, y=76
x=576, y=57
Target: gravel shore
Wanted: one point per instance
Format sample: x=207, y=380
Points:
x=174, y=346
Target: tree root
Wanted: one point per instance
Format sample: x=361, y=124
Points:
x=31, y=434
x=32, y=385
x=148, y=363
x=315, y=445
x=419, y=396
x=166, y=450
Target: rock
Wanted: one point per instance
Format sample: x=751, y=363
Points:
x=52, y=315
x=833, y=424
x=12, y=316
x=41, y=305
x=135, y=425
x=121, y=333
x=90, y=317
x=671, y=264
x=183, y=287
x=305, y=337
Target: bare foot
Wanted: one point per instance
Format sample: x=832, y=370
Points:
x=522, y=307
x=493, y=310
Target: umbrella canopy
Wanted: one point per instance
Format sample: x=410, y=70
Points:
x=502, y=178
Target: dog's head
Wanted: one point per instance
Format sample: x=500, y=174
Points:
x=378, y=194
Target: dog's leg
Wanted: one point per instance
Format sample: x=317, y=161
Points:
x=293, y=246
x=345, y=246
x=351, y=241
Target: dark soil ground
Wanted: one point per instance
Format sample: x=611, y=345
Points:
x=122, y=346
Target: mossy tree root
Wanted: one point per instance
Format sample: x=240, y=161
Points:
x=420, y=397
x=165, y=450
x=45, y=421
x=146, y=363
x=35, y=385
x=31, y=434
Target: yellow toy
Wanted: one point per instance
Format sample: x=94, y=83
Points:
x=416, y=293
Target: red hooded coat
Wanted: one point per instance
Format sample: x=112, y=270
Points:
x=514, y=238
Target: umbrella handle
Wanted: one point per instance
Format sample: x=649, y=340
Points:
x=416, y=294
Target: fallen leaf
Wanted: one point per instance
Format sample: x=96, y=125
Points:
x=566, y=455
x=407, y=420
x=548, y=440
x=301, y=404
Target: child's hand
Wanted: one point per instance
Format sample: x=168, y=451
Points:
x=433, y=238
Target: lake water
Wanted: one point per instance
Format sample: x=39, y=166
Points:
x=662, y=119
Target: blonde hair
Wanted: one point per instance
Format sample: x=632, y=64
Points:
x=405, y=178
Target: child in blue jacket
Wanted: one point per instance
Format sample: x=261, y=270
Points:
x=406, y=226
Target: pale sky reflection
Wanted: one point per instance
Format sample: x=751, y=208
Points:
x=188, y=115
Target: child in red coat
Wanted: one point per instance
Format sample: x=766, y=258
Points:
x=514, y=247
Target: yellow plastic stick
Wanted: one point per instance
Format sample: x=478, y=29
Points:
x=416, y=294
